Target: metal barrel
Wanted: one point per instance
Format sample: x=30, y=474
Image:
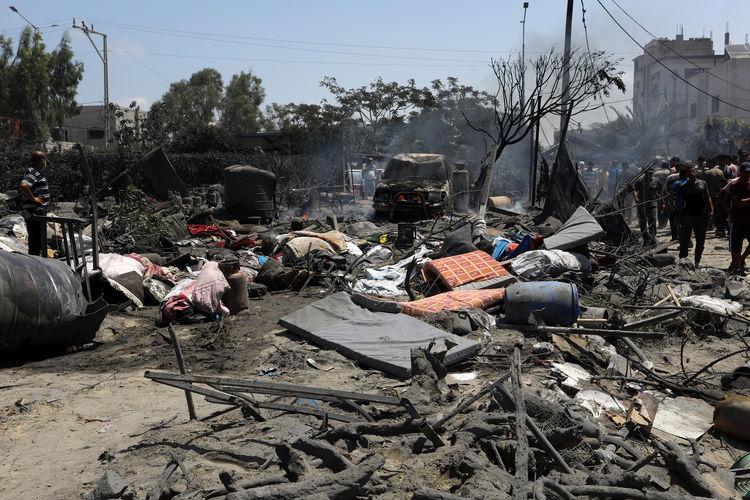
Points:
x=557, y=302
x=40, y=300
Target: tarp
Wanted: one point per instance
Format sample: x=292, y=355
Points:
x=578, y=230
x=537, y=263
x=162, y=174
x=566, y=190
x=377, y=339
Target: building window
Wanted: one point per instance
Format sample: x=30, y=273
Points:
x=693, y=111
x=95, y=133
x=715, y=104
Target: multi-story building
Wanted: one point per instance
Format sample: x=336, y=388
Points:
x=665, y=77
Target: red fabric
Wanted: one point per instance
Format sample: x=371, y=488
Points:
x=465, y=268
x=454, y=300
x=202, y=229
x=230, y=241
x=174, y=307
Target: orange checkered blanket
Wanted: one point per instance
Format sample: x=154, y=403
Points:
x=465, y=268
x=454, y=300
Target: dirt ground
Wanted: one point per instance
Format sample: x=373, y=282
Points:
x=66, y=419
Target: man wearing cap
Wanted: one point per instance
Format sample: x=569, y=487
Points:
x=694, y=211
x=739, y=195
x=649, y=195
x=36, y=200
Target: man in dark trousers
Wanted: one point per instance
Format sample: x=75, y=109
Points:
x=36, y=201
x=739, y=229
x=693, y=214
x=649, y=196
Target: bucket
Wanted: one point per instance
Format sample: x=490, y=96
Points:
x=558, y=302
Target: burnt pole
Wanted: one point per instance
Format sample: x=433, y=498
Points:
x=566, y=68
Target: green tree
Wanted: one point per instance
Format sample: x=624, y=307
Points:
x=188, y=104
x=240, y=105
x=719, y=134
x=37, y=88
x=441, y=125
x=380, y=104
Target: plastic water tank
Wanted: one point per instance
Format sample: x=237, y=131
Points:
x=249, y=192
x=40, y=300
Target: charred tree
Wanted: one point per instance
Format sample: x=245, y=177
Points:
x=521, y=103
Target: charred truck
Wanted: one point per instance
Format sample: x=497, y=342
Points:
x=414, y=186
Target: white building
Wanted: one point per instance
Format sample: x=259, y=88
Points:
x=87, y=127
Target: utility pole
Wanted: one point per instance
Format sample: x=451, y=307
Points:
x=532, y=176
x=566, y=66
x=103, y=56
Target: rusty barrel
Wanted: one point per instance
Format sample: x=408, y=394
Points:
x=556, y=301
x=40, y=300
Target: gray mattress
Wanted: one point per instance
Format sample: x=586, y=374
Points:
x=376, y=339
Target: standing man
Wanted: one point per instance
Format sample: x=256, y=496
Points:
x=715, y=180
x=674, y=181
x=590, y=177
x=739, y=194
x=36, y=201
x=614, y=179
x=649, y=195
x=693, y=213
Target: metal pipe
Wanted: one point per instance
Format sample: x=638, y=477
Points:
x=183, y=370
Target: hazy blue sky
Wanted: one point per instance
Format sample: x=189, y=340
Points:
x=292, y=45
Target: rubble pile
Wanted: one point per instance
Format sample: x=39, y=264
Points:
x=510, y=356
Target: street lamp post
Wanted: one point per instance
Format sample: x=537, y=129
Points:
x=36, y=28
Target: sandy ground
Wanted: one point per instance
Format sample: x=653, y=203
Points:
x=65, y=419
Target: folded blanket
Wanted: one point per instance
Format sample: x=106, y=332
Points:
x=465, y=268
x=300, y=246
x=334, y=238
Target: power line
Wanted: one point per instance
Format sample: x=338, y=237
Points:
x=680, y=55
x=588, y=49
x=298, y=61
x=665, y=66
x=213, y=38
x=140, y=62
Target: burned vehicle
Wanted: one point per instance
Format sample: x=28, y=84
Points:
x=414, y=186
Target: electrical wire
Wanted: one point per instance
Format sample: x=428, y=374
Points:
x=266, y=45
x=588, y=48
x=668, y=46
x=140, y=62
x=667, y=67
x=298, y=61
x=276, y=40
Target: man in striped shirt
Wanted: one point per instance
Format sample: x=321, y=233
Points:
x=36, y=200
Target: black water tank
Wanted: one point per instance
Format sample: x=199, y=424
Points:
x=249, y=192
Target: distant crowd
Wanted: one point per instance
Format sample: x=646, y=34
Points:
x=712, y=193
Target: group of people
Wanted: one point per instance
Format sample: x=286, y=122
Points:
x=693, y=197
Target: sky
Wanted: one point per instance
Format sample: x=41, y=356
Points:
x=293, y=45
